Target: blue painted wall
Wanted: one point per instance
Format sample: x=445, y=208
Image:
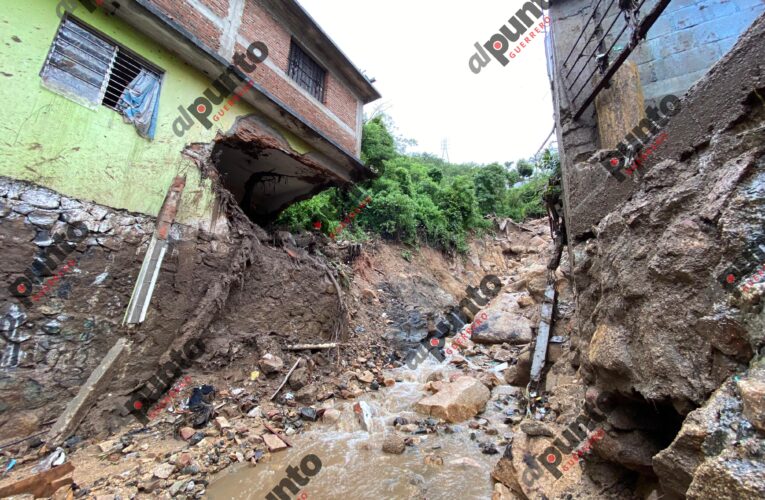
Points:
x=688, y=39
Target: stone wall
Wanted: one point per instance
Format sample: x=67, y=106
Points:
x=51, y=345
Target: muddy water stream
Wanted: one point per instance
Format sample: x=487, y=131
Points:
x=354, y=466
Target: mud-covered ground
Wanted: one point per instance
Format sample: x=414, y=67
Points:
x=285, y=296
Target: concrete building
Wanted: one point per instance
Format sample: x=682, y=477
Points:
x=684, y=42
x=105, y=108
x=303, y=110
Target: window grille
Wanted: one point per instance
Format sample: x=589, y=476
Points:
x=88, y=68
x=306, y=72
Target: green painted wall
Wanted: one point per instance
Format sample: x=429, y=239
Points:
x=94, y=155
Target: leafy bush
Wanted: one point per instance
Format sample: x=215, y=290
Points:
x=421, y=199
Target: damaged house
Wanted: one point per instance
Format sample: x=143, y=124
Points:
x=124, y=123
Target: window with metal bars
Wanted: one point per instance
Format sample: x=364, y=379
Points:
x=90, y=69
x=306, y=72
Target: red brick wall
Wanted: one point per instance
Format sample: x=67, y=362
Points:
x=341, y=101
x=193, y=21
x=279, y=87
x=258, y=25
x=219, y=7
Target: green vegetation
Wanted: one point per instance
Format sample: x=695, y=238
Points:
x=421, y=199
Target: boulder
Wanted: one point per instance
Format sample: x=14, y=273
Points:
x=363, y=414
x=163, y=471
x=535, y=428
x=271, y=364
x=505, y=473
x=706, y=459
x=753, y=396
x=502, y=492
x=330, y=416
x=506, y=323
x=456, y=401
x=393, y=444
x=519, y=373
x=728, y=477
x=307, y=395
x=299, y=379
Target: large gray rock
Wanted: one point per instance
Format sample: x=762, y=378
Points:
x=42, y=198
x=728, y=477
x=507, y=322
x=43, y=218
x=455, y=401
x=714, y=454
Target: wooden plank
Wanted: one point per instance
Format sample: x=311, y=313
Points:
x=278, y=434
x=305, y=347
x=39, y=485
x=285, y=379
x=543, y=336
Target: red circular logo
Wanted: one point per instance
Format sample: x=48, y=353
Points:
x=21, y=288
x=730, y=278
x=201, y=108
x=614, y=162
x=497, y=45
x=550, y=458
x=137, y=405
x=434, y=342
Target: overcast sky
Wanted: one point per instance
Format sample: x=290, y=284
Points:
x=418, y=50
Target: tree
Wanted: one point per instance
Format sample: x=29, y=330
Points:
x=377, y=144
x=525, y=168
x=491, y=189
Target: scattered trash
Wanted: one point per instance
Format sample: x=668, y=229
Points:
x=500, y=367
x=364, y=415
x=9, y=467
x=254, y=375
x=100, y=279
x=200, y=403
x=58, y=457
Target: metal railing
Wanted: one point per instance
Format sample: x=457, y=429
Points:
x=594, y=55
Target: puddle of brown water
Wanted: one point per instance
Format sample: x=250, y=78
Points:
x=354, y=466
